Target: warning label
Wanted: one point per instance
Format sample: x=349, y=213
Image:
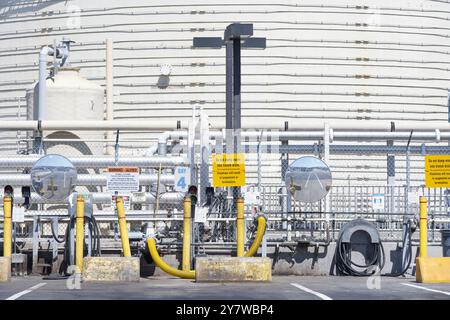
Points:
x=437, y=171
x=122, y=179
x=228, y=170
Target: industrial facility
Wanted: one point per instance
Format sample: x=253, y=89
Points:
x=274, y=144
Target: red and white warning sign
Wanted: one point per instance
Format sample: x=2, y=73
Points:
x=126, y=201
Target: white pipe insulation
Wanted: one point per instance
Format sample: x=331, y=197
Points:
x=85, y=179
x=98, y=162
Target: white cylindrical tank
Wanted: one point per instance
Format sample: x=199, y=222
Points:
x=69, y=96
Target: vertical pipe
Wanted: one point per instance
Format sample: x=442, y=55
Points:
x=240, y=230
x=7, y=226
x=237, y=103
x=186, y=260
x=109, y=91
x=123, y=227
x=79, y=242
x=423, y=227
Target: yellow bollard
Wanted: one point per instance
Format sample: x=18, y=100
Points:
x=240, y=227
x=423, y=227
x=123, y=227
x=7, y=226
x=79, y=240
x=186, y=260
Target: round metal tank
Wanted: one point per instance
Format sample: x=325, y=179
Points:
x=69, y=96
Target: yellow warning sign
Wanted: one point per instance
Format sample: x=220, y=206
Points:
x=228, y=170
x=437, y=171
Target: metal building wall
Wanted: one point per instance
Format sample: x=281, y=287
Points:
x=353, y=62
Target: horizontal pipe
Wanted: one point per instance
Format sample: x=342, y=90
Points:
x=360, y=149
x=84, y=179
x=98, y=162
x=102, y=198
x=92, y=125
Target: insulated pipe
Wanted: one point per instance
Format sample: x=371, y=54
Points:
x=79, y=241
x=190, y=274
x=123, y=227
x=186, y=261
x=423, y=228
x=240, y=227
x=91, y=125
x=98, y=162
x=104, y=198
x=258, y=238
x=85, y=179
x=7, y=226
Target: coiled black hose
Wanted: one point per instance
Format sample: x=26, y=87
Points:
x=346, y=266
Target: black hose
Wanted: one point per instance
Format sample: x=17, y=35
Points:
x=407, y=245
x=55, y=236
x=346, y=266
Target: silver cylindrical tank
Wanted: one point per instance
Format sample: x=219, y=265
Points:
x=69, y=96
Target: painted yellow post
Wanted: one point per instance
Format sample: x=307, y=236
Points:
x=7, y=226
x=186, y=261
x=79, y=240
x=423, y=227
x=123, y=227
x=240, y=227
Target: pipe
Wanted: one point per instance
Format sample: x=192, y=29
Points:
x=45, y=51
x=258, y=238
x=104, y=198
x=240, y=227
x=190, y=274
x=79, y=240
x=186, y=261
x=98, y=162
x=423, y=227
x=351, y=124
x=123, y=227
x=109, y=91
x=91, y=125
x=85, y=179
x=7, y=227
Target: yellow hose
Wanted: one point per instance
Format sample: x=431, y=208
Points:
x=123, y=227
x=79, y=239
x=258, y=238
x=7, y=226
x=190, y=274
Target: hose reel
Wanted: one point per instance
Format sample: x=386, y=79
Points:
x=359, y=234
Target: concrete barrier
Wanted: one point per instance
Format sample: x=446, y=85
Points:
x=5, y=269
x=433, y=270
x=115, y=269
x=224, y=269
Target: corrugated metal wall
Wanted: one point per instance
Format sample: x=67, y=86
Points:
x=331, y=60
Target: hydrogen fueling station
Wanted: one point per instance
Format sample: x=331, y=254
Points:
x=224, y=150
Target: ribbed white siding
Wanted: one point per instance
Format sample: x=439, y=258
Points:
x=326, y=60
